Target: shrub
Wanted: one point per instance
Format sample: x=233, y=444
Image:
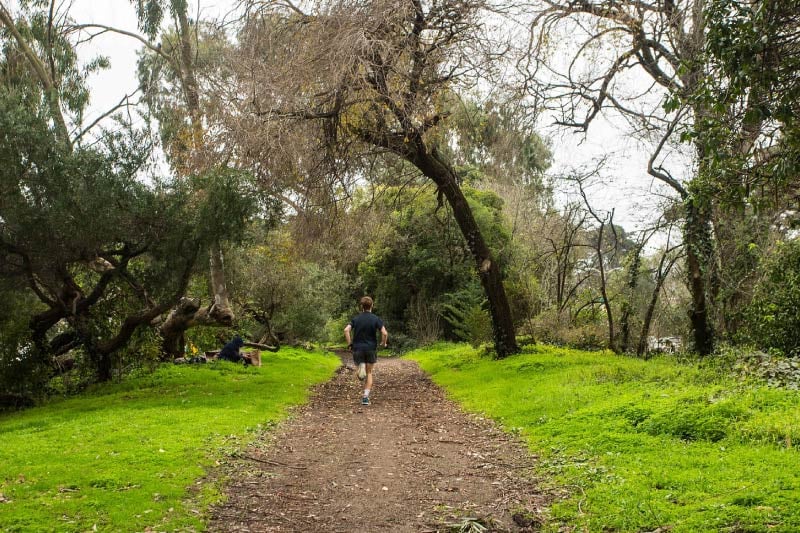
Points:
x=694, y=420
x=775, y=370
x=552, y=327
x=423, y=322
x=590, y=337
x=22, y=372
x=334, y=328
x=773, y=317
x=465, y=313
x=400, y=343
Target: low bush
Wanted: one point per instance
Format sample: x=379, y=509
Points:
x=556, y=328
x=773, y=317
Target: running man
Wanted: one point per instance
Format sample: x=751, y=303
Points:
x=364, y=342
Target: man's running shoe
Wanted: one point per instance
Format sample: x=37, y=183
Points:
x=362, y=371
x=365, y=400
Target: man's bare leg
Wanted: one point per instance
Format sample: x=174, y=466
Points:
x=368, y=384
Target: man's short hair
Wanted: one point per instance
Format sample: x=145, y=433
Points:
x=366, y=303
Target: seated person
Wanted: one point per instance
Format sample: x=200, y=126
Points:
x=230, y=352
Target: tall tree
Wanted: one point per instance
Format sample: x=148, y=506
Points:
x=362, y=77
x=751, y=93
x=611, y=44
x=171, y=63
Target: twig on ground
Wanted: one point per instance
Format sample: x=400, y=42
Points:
x=269, y=462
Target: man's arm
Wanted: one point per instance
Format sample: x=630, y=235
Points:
x=384, y=336
x=347, y=329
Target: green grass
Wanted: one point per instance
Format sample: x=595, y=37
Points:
x=128, y=456
x=638, y=445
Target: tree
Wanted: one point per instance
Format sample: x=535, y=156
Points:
x=169, y=73
x=86, y=239
x=604, y=254
x=104, y=251
x=751, y=132
x=417, y=258
x=663, y=41
x=289, y=296
x=562, y=253
x=774, y=313
x=361, y=77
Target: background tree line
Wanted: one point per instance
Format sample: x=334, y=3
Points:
x=311, y=153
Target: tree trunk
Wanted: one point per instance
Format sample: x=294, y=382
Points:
x=222, y=306
x=440, y=172
x=48, y=83
x=627, y=308
x=603, y=289
x=188, y=78
x=698, y=253
x=661, y=275
x=104, y=367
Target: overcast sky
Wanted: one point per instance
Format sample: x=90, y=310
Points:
x=628, y=186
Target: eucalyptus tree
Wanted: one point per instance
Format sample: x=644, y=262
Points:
x=177, y=56
x=361, y=78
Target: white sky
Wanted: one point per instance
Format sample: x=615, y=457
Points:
x=628, y=188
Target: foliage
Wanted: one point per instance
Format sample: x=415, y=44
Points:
x=22, y=375
x=126, y=456
x=774, y=314
x=772, y=369
x=645, y=444
x=347, y=105
x=552, y=327
x=464, y=311
x=334, y=329
x=418, y=255
x=103, y=246
x=498, y=141
x=162, y=78
x=424, y=322
x=102, y=250
x=290, y=297
x=753, y=87
x=207, y=338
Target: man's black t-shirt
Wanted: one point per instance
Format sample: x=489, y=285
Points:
x=365, y=331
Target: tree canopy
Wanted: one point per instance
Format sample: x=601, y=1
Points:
x=281, y=163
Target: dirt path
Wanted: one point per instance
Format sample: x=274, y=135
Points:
x=410, y=462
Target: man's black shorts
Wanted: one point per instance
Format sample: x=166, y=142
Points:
x=365, y=356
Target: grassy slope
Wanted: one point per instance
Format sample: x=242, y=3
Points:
x=640, y=444
x=122, y=457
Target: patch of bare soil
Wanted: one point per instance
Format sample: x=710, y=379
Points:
x=410, y=462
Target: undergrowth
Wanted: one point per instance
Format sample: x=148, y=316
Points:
x=632, y=445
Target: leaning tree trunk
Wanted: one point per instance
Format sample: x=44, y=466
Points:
x=440, y=172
